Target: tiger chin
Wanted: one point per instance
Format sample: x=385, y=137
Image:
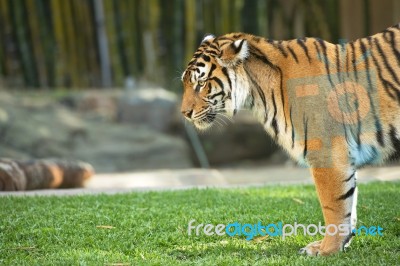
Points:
x=332, y=107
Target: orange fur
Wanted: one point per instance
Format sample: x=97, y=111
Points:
x=332, y=107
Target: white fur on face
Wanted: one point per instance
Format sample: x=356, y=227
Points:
x=240, y=89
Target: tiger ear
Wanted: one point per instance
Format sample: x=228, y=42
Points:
x=208, y=37
x=234, y=53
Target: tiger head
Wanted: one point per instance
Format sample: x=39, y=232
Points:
x=213, y=81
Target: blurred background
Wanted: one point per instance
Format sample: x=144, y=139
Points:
x=99, y=80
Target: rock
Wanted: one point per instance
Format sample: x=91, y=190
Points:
x=41, y=132
x=94, y=104
x=4, y=120
x=121, y=148
x=152, y=107
x=242, y=139
x=3, y=116
x=40, y=127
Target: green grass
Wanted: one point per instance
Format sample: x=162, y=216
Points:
x=151, y=227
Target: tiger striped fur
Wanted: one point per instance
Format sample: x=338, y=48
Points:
x=332, y=107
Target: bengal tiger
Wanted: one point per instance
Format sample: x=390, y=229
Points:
x=332, y=107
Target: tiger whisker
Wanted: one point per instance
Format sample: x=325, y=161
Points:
x=220, y=124
x=229, y=118
x=219, y=119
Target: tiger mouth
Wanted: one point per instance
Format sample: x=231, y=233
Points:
x=205, y=121
x=209, y=118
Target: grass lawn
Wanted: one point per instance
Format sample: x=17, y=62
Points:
x=151, y=228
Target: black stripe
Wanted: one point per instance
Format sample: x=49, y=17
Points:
x=218, y=81
x=237, y=49
x=212, y=52
x=387, y=40
x=389, y=87
x=385, y=61
x=347, y=60
x=264, y=59
x=378, y=126
x=282, y=98
x=350, y=177
x=211, y=97
x=274, y=124
x=293, y=54
x=379, y=135
x=260, y=56
x=347, y=194
x=318, y=50
x=347, y=215
x=392, y=43
x=325, y=59
x=225, y=72
x=337, y=54
x=209, y=87
x=214, y=47
x=206, y=58
x=213, y=67
x=222, y=44
x=198, y=53
x=353, y=60
x=305, y=125
x=279, y=46
x=291, y=122
x=359, y=126
x=343, y=55
x=259, y=90
x=200, y=64
x=303, y=45
x=395, y=143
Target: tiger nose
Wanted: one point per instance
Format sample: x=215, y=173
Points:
x=187, y=113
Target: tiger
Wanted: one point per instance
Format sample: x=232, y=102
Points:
x=333, y=107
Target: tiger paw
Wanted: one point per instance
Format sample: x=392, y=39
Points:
x=328, y=246
x=312, y=249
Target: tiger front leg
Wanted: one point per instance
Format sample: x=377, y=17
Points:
x=337, y=193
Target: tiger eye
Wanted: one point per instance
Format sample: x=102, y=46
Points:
x=201, y=82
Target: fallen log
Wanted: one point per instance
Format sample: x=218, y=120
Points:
x=16, y=175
